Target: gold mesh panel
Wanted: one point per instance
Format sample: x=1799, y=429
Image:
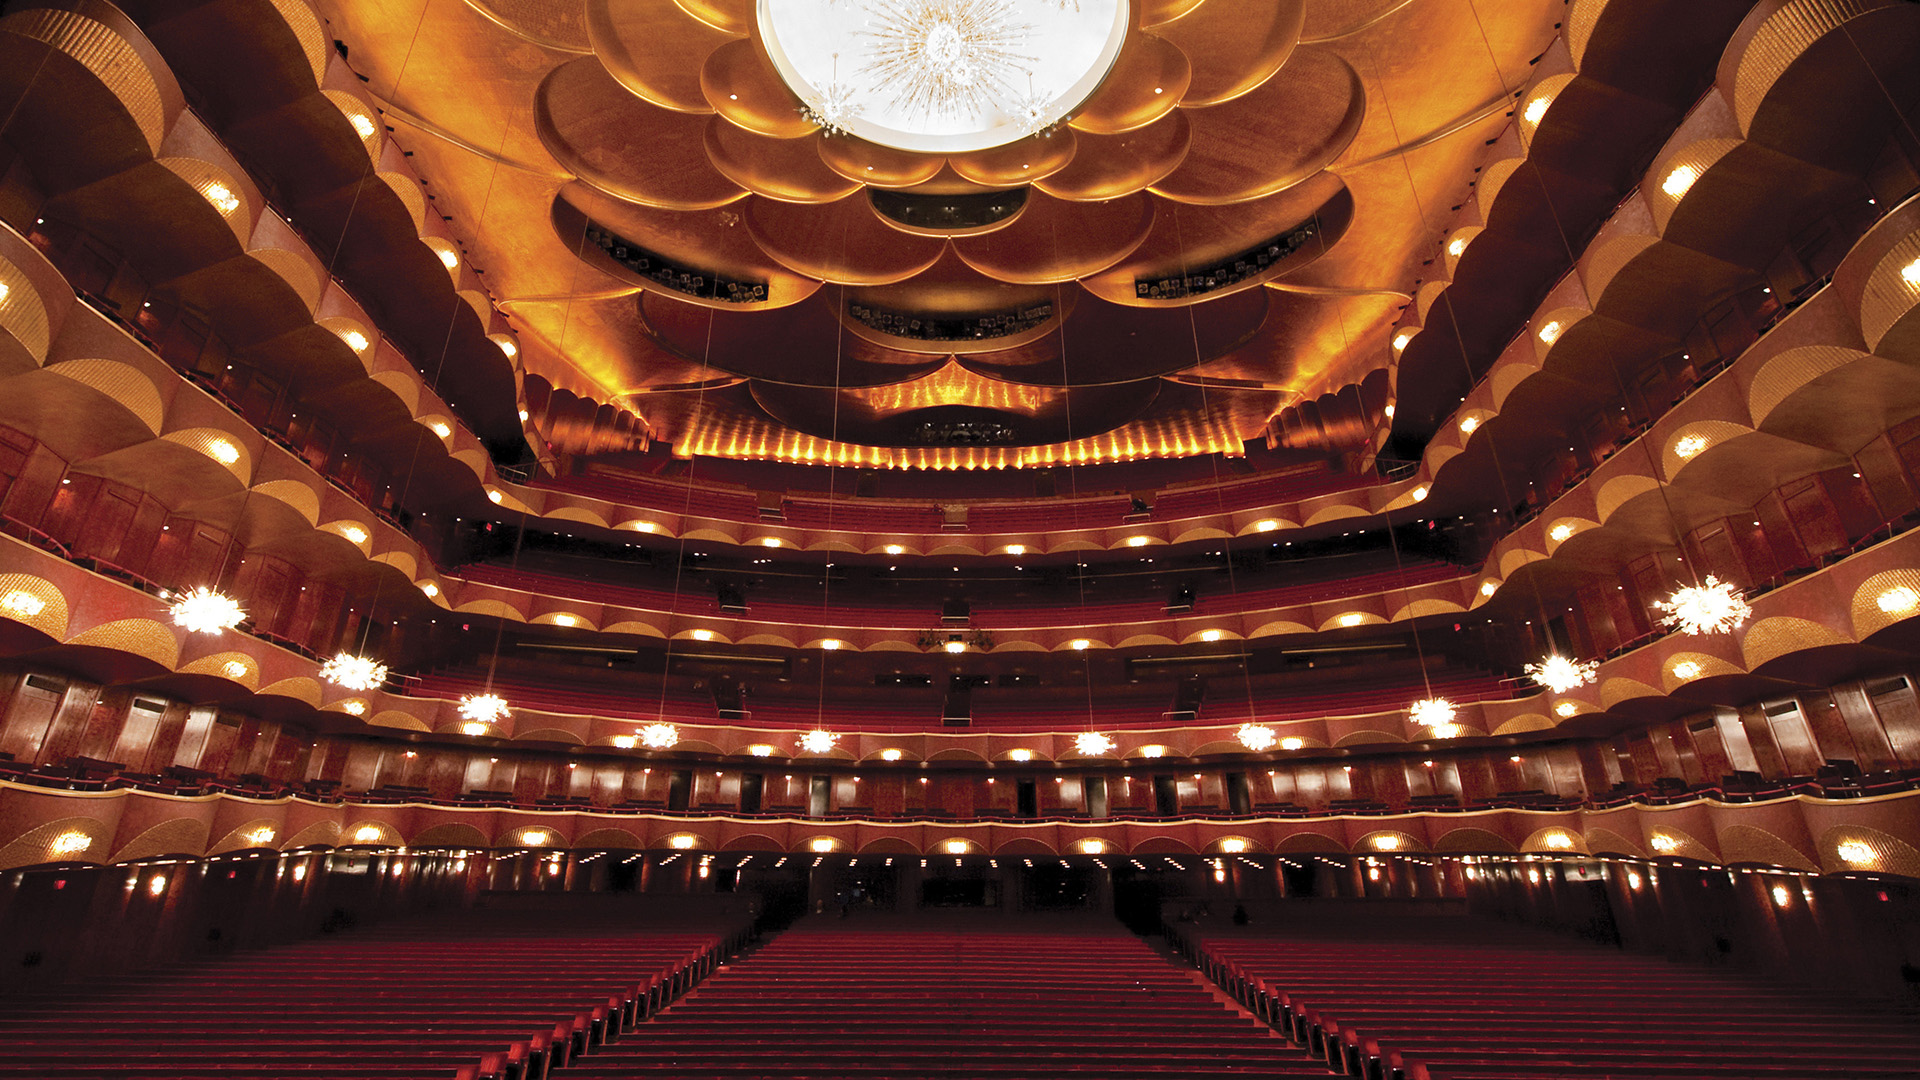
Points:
x=1473, y=841
x=1879, y=602
x=1781, y=40
x=1892, y=289
x=21, y=312
x=141, y=637
x=1779, y=377
x=72, y=839
x=34, y=601
x=124, y=384
x=181, y=836
x=308, y=31
x=1866, y=850
x=1779, y=636
x=96, y=47
x=1749, y=845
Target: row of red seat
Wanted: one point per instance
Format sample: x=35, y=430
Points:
x=1451, y=998
x=490, y=991
x=955, y=995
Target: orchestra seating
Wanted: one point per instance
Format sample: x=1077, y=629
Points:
x=951, y=994
x=530, y=980
x=1452, y=998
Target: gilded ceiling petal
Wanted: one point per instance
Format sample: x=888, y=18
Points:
x=1155, y=12
x=655, y=49
x=626, y=146
x=786, y=169
x=1146, y=83
x=1055, y=240
x=951, y=307
x=711, y=242
x=1191, y=238
x=815, y=349
x=733, y=16
x=1101, y=343
x=1018, y=162
x=743, y=87
x=560, y=26
x=1235, y=46
x=1290, y=128
x=1108, y=166
x=901, y=414
x=842, y=241
x=881, y=166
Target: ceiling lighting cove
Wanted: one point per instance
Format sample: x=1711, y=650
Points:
x=1713, y=607
x=1560, y=674
x=942, y=76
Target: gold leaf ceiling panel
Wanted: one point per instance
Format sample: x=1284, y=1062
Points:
x=648, y=46
x=1130, y=240
x=1234, y=47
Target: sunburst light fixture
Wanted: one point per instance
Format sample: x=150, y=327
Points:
x=1560, y=674
x=818, y=741
x=659, y=736
x=1090, y=743
x=1432, y=712
x=483, y=708
x=203, y=611
x=1711, y=607
x=1256, y=737
x=354, y=672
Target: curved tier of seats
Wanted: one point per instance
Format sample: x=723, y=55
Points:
x=1449, y=998
x=527, y=984
x=947, y=996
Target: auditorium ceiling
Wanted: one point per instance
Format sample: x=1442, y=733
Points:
x=1147, y=247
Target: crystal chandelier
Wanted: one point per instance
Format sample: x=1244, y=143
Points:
x=1256, y=737
x=354, y=672
x=1559, y=674
x=484, y=708
x=204, y=611
x=1432, y=712
x=1090, y=743
x=1713, y=607
x=818, y=741
x=659, y=736
x=946, y=58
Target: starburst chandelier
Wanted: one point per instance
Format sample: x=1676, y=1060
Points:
x=484, y=708
x=203, y=611
x=354, y=672
x=1560, y=674
x=835, y=106
x=659, y=736
x=946, y=58
x=1256, y=737
x=1712, y=607
x=818, y=741
x=1090, y=743
x=1432, y=712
